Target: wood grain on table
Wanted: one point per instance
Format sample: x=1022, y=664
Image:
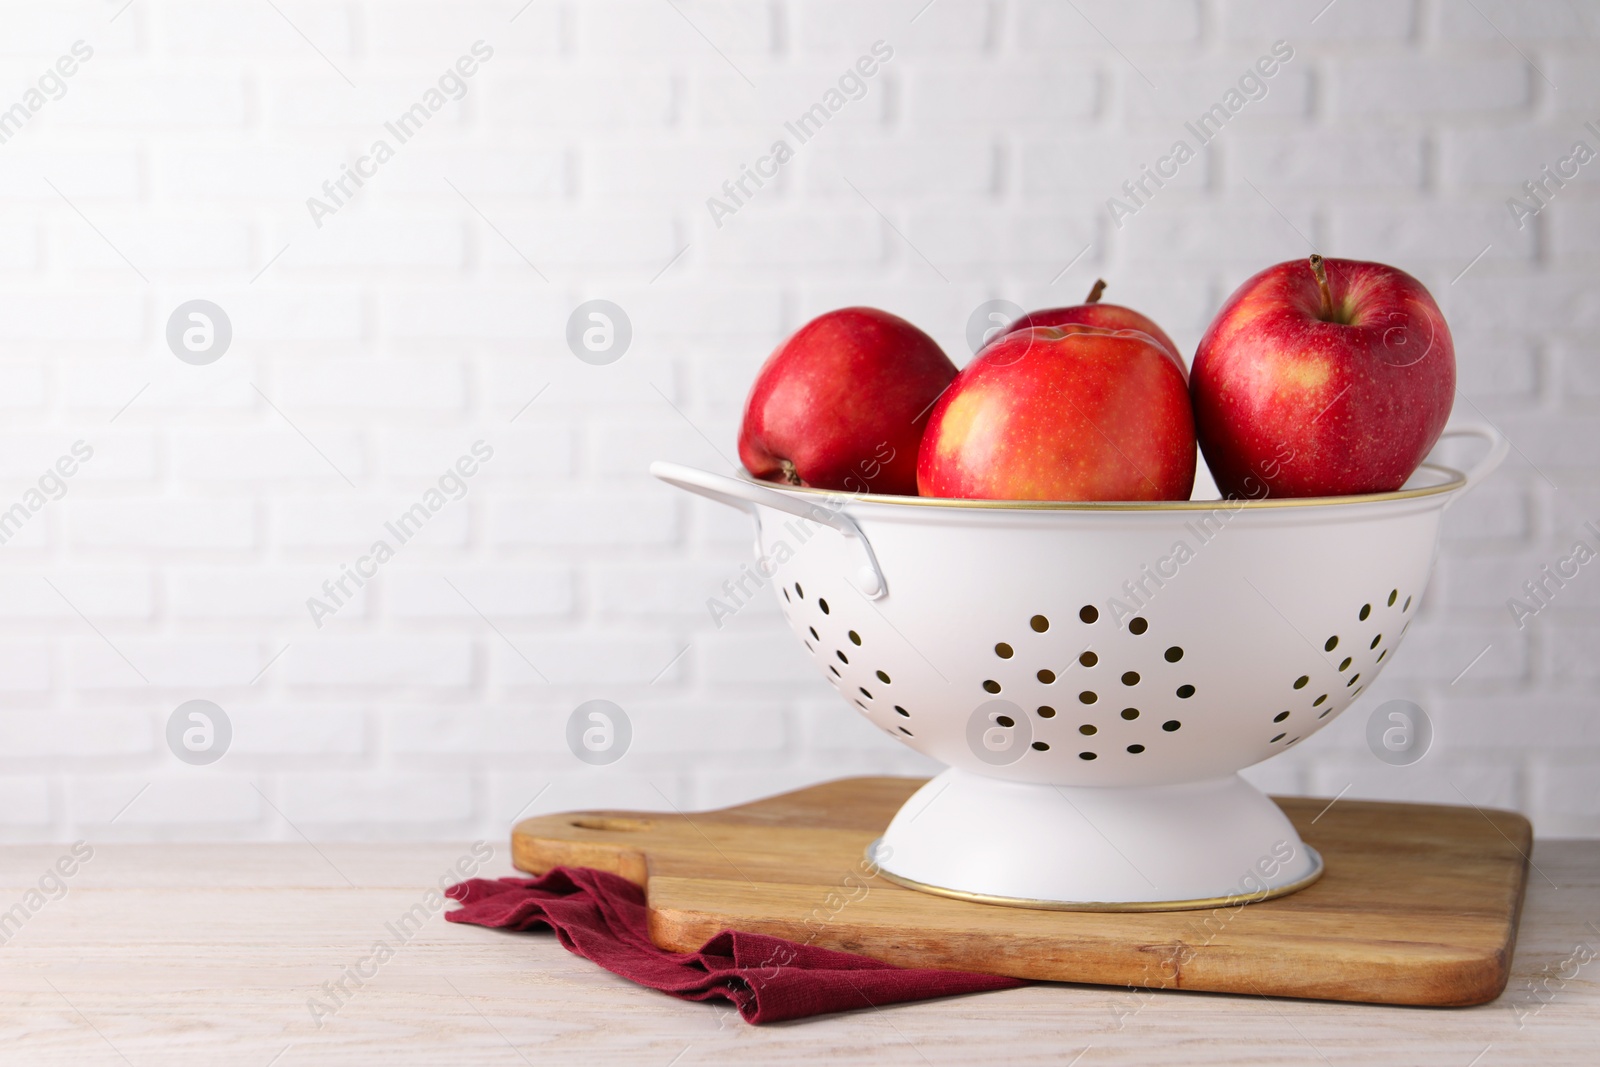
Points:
x=196, y=954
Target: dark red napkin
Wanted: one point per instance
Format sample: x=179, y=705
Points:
x=602, y=917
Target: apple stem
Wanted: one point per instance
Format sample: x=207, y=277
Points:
x=1094, y=294
x=790, y=474
x=1321, y=271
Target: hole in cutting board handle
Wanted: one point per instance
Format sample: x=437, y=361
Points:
x=608, y=822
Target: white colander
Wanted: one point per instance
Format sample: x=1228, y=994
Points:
x=1095, y=674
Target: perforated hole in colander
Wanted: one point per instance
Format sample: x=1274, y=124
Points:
x=1366, y=609
x=1185, y=692
x=823, y=604
x=1040, y=746
x=801, y=593
x=1047, y=676
x=1047, y=712
x=1345, y=665
x=1407, y=605
x=1130, y=713
x=902, y=711
x=786, y=595
x=1353, y=679
x=855, y=638
x=1394, y=594
x=1375, y=641
x=1004, y=651
x=864, y=691
x=1088, y=729
x=1172, y=725
x=1173, y=654
x=1275, y=740
x=842, y=657
x=1331, y=644
x=1130, y=677
x=1280, y=716
x=1089, y=613
x=835, y=671
x=883, y=677
x=1138, y=625
x=1087, y=755
x=1088, y=696
x=1135, y=749
x=1319, y=701
x=814, y=633
x=991, y=686
x=1088, y=659
x=1302, y=681
x=1039, y=623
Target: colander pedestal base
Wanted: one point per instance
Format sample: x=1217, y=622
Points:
x=1125, y=848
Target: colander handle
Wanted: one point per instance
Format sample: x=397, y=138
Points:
x=1498, y=447
x=747, y=496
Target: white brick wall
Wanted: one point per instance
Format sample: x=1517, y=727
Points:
x=427, y=312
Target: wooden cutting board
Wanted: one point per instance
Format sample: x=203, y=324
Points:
x=1419, y=904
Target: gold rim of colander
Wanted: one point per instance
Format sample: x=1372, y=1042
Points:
x=1455, y=480
x=1195, y=904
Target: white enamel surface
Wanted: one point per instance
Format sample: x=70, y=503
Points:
x=1199, y=840
x=1252, y=612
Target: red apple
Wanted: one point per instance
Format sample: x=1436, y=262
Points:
x=1063, y=413
x=842, y=404
x=1093, y=313
x=1321, y=378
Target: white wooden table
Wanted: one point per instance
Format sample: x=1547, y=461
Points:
x=195, y=954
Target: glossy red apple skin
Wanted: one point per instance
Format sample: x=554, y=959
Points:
x=843, y=402
x=1288, y=404
x=1063, y=413
x=1105, y=316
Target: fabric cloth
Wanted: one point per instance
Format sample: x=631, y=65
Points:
x=603, y=917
